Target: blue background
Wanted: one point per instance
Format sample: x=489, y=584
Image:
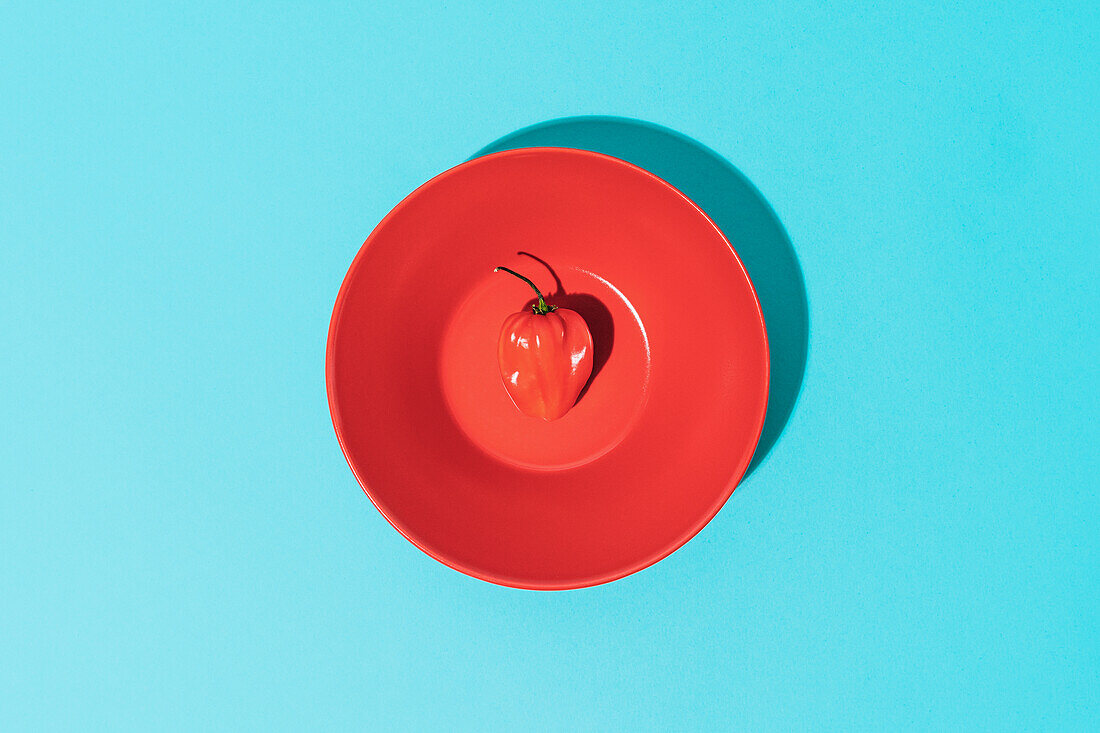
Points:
x=182, y=544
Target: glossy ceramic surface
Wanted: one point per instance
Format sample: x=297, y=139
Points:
x=659, y=436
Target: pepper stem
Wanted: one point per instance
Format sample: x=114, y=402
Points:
x=542, y=308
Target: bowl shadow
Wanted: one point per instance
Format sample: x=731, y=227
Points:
x=741, y=213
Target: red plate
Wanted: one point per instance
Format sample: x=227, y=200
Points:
x=653, y=447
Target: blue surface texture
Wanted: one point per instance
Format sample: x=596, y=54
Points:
x=183, y=186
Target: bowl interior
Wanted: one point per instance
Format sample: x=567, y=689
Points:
x=657, y=441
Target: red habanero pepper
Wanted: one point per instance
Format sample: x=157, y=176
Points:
x=545, y=357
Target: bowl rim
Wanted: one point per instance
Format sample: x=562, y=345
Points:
x=587, y=582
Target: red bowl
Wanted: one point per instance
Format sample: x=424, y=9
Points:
x=660, y=436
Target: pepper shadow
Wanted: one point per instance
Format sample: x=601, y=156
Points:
x=594, y=313
x=739, y=210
